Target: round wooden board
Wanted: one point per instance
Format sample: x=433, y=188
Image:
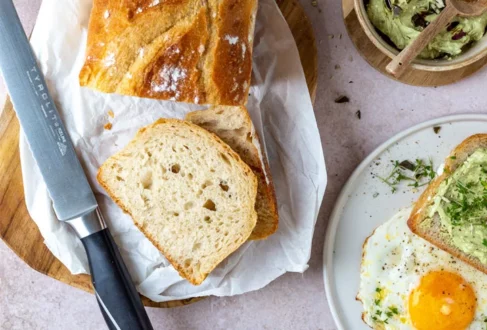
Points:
x=379, y=60
x=21, y=234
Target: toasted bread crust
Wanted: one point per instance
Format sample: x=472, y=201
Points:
x=271, y=228
x=419, y=212
x=179, y=268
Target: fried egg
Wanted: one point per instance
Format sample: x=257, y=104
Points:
x=407, y=283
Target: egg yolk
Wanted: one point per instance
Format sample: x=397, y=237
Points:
x=442, y=301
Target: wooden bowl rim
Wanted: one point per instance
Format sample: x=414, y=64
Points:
x=364, y=20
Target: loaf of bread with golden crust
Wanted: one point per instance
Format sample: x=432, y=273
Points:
x=197, y=51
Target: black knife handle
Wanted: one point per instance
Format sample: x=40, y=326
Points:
x=116, y=294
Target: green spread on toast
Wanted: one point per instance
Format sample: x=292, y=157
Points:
x=403, y=20
x=461, y=203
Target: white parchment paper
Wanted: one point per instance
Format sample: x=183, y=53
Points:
x=282, y=112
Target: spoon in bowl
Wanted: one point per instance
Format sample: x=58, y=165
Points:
x=465, y=8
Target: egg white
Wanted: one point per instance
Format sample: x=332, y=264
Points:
x=394, y=260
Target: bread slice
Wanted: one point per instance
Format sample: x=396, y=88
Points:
x=234, y=126
x=187, y=191
x=431, y=228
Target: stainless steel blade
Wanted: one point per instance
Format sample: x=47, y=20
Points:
x=48, y=139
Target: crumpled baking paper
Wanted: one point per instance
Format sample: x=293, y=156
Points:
x=281, y=110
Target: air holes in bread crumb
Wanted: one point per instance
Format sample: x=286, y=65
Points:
x=175, y=168
x=146, y=179
x=224, y=186
x=249, y=137
x=210, y=205
x=196, y=246
x=208, y=219
x=190, y=176
x=206, y=184
x=176, y=214
x=188, y=205
x=119, y=178
x=187, y=262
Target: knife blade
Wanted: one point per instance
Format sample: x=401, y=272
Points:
x=47, y=137
x=71, y=194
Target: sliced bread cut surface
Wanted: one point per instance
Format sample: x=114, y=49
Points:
x=431, y=228
x=234, y=126
x=187, y=191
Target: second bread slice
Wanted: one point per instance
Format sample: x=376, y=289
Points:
x=187, y=191
x=234, y=126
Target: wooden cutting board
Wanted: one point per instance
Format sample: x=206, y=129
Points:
x=18, y=230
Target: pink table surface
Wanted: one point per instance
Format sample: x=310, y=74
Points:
x=29, y=300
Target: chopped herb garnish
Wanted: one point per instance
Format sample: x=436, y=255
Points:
x=418, y=174
x=375, y=195
x=378, y=289
x=484, y=243
x=393, y=310
x=437, y=129
x=453, y=157
x=377, y=302
x=467, y=202
x=407, y=165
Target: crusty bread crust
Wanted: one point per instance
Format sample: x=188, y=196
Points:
x=176, y=264
x=187, y=51
x=419, y=214
x=271, y=227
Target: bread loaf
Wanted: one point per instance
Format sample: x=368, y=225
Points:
x=234, y=126
x=189, y=51
x=187, y=191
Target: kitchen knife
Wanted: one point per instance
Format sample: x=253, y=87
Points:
x=72, y=197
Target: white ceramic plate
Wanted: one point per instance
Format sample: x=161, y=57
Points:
x=357, y=212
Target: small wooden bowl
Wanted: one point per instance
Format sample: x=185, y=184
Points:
x=475, y=53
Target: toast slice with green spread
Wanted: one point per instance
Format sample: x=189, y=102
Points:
x=452, y=212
